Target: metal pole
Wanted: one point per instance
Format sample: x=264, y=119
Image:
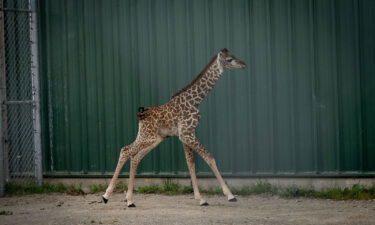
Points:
x=35, y=93
x=2, y=106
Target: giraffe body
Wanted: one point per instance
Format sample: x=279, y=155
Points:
x=178, y=117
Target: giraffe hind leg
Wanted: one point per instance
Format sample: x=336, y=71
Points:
x=124, y=156
x=144, y=147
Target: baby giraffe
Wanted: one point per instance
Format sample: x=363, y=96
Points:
x=178, y=117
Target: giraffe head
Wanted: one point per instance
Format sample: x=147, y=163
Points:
x=228, y=60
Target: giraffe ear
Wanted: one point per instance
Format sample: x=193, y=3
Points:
x=224, y=50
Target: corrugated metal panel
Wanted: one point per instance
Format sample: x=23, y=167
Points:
x=304, y=105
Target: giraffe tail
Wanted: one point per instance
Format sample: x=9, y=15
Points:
x=143, y=113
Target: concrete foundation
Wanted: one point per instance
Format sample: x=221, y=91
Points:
x=310, y=183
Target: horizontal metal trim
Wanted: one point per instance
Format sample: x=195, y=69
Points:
x=209, y=175
x=18, y=102
x=15, y=10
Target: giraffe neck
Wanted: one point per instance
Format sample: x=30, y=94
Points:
x=198, y=89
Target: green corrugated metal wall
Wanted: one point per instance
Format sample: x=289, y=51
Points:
x=305, y=105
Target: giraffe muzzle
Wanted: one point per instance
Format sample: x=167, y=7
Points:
x=241, y=64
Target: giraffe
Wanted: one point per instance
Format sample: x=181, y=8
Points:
x=178, y=117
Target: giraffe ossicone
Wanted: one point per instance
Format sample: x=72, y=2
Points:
x=178, y=117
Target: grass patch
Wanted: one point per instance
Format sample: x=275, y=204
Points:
x=6, y=213
x=121, y=186
x=295, y=192
x=358, y=192
x=258, y=188
x=97, y=188
x=150, y=189
x=169, y=187
x=187, y=189
x=211, y=191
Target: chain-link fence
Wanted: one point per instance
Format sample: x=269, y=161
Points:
x=20, y=102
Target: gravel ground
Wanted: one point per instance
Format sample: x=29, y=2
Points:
x=182, y=209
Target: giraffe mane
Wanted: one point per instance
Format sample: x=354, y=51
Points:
x=197, y=78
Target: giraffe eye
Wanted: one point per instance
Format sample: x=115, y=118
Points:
x=229, y=60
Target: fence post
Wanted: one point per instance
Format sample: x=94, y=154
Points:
x=2, y=106
x=35, y=92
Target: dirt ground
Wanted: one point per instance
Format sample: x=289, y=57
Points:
x=182, y=209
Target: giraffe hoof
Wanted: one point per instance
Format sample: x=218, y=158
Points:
x=104, y=200
x=232, y=199
x=131, y=205
x=204, y=204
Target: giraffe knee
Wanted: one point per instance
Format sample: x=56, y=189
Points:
x=209, y=158
x=190, y=157
x=125, y=153
x=191, y=142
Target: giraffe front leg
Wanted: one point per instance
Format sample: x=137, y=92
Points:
x=191, y=141
x=124, y=156
x=191, y=165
